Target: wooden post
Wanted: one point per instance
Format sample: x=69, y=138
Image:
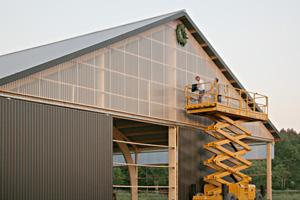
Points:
x=269, y=171
x=131, y=169
x=172, y=163
x=136, y=167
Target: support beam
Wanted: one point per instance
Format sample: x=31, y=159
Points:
x=127, y=139
x=203, y=45
x=152, y=140
x=269, y=171
x=142, y=144
x=140, y=165
x=136, y=167
x=117, y=135
x=192, y=31
x=140, y=149
x=172, y=163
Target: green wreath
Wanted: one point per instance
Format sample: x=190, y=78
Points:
x=181, y=34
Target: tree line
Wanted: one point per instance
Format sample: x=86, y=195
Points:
x=285, y=165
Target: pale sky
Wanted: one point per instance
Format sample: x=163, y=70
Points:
x=258, y=39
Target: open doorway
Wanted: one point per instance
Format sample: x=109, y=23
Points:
x=142, y=154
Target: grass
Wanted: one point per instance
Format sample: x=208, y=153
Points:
x=125, y=195
x=286, y=196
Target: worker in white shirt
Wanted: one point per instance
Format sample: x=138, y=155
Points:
x=201, y=88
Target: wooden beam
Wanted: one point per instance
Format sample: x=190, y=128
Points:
x=140, y=149
x=143, y=178
x=146, y=133
x=213, y=57
x=117, y=135
x=172, y=163
x=142, y=144
x=136, y=162
x=203, y=45
x=269, y=171
x=140, y=165
x=223, y=69
x=193, y=31
x=153, y=140
x=232, y=81
x=126, y=138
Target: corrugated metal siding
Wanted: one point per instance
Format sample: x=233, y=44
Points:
x=49, y=152
x=191, y=155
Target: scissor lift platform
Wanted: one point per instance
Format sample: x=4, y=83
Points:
x=228, y=108
x=234, y=102
x=212, y=108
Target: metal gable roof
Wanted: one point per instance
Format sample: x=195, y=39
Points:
x=24, y=63
x=17, y=65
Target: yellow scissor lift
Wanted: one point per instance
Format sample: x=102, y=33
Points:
x=228, y=108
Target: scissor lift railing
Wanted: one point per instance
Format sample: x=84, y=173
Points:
x=234, y=102
x=228, y=111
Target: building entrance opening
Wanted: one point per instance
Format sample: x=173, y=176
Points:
x=144, y=160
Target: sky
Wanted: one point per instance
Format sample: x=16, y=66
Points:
x=258, y=39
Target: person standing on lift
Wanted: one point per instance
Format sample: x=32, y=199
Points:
x=201, y=88
x=216, y=90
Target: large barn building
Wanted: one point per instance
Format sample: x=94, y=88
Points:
x=75, y=113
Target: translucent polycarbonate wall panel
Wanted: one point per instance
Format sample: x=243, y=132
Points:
x=145, y=75
x=259, y=152
x=258, y=129
x=145, y=158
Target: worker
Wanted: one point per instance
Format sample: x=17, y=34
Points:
x=201, y=88
x=216, y=90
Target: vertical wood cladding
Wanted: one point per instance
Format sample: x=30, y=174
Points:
x=49, y=152
x=191, y=156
